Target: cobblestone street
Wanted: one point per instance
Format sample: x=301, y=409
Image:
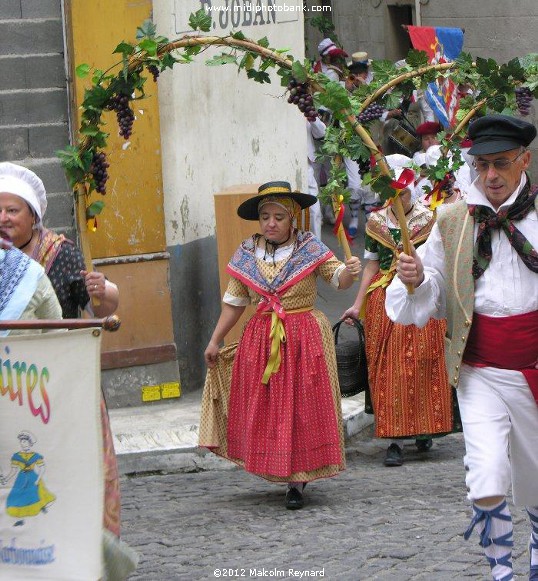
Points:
x=371, y=522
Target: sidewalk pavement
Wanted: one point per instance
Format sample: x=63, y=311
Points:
x=164, y=437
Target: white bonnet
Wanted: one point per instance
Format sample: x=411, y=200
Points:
x=433, y=154
x=22, y=182
x=398, y=162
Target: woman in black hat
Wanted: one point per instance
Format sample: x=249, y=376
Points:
x=271, y=402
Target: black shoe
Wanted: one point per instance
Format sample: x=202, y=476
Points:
x=423, y=445
x=294, y=499
x=394, y=456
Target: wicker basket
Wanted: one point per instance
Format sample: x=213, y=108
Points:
x=351, y=362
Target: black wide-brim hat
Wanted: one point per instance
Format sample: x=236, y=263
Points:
x=248, y=210
x=498, y=133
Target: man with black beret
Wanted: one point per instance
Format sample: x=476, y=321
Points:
x=479, y=269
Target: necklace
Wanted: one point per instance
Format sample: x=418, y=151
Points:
x=26, y=244
x=273, y=247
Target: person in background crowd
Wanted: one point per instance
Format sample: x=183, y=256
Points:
x=428, y=136
x=479, y=269
x=23, y=202
x=406, y=367
x=271, y=403
x=315, y=132
x=443, y=192
x=332, y=60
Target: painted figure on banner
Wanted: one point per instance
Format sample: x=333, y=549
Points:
x=29, y=495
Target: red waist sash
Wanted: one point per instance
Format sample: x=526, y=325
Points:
x=505, y=343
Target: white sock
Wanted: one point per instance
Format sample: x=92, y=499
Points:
x=498, y=542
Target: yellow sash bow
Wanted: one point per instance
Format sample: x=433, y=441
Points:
x=277, y=336
x=382, y=282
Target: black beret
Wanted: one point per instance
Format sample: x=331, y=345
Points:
x=497, y=133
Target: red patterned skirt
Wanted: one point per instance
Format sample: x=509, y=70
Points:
x=407, y=374
x=290, y=425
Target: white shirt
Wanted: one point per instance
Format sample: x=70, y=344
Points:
x=314, y=130
x=507, y=287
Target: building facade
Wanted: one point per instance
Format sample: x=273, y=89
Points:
x=201, y=130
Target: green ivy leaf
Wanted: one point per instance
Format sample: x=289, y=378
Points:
x=95, y=98
x=285, y=75
x=356, y=148
x=94, y=209
x=199, y=20
x=238, y=35
x=335, y=97
x=83, y=70
x=497, y=102
x=263, y=42
x=464, y=61
x=247, y=62
x=99, y=76
x=124, y=48
x=90, y=130
x=299, y=72
x=148, y=45
x=512, y=69
x=382, y=186
x=485, y=67
x=383, y=70
x=221, y=59
x=417, y=58
x=168, y=61
x=393, y=100
x=258, y=76
x=146, y=30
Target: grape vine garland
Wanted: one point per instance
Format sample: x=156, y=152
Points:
x=500, y=88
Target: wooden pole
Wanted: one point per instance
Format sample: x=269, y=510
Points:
x=80, y=205
x=397, y=203
x=341, y=233
x=111, y=323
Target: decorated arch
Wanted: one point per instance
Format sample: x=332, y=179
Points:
x=504, y=88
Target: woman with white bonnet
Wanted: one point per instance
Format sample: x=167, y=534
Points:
x=23, y=202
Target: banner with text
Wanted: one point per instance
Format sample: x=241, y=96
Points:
x=51, y=472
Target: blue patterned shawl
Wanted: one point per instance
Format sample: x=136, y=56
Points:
x=308, y=253
x=19, y=276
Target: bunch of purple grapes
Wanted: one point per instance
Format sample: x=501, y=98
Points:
x=98, y=169
x=125, y=115
x=300, y=96
x=523, y=100
x=371, y=112
x=154, y=70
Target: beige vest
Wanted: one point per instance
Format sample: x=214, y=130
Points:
x=457, y=227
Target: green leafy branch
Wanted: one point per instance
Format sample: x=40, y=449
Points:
x=491, y=87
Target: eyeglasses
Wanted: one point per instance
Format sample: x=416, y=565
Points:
x=482, y=166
